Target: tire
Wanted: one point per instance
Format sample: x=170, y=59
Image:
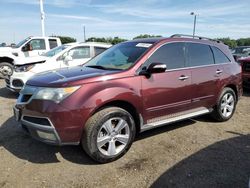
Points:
x=6, y=69
x=103, y=140
x=225, y=106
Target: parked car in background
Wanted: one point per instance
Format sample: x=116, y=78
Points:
x=245, y=64
x=132, y=87
x=241, y=51
x=31, y=46
x=67, y=55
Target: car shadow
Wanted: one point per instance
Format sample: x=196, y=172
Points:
x=223, y=164
x=246, y=92
x=17, y=142
x=5, y=93
x=164, y=129
x=21, y=145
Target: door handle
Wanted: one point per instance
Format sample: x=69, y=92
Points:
x=219, y=71
x=183, y=77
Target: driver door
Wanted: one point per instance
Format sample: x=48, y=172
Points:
x=76, y=56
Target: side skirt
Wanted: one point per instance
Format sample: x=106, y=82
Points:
x=164, y=120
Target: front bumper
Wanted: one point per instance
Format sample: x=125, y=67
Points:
x=39, y=128
x=16, y=82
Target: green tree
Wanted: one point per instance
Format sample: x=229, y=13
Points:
x=230, y=42
x=146, y=36
x=65, y=39
x=110, y=40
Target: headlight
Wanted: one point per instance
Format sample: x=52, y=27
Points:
x=23, y=68
x=55, y=94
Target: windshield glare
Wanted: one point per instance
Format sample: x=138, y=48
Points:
x=21, y=43
x=55, y=51
x=121, y=56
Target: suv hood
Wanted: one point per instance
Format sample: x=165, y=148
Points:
x=67, y=76
x=30, y=60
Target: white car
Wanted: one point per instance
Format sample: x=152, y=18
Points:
x=29, y=47
x=67, y=55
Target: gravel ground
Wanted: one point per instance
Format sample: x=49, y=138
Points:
x=192, y=153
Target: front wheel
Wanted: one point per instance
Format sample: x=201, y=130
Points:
x=225, y=107
x=6, y=69
x=108, y=134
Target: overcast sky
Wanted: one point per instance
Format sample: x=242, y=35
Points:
x=124, y=18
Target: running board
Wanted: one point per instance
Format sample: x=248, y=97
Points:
x=170, y=119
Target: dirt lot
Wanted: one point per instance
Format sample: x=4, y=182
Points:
x=193, y=153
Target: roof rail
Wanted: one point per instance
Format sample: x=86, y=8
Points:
x=194, y=37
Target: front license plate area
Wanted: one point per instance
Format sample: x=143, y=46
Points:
x=17, y=114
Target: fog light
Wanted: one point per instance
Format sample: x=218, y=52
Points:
x=47, y=136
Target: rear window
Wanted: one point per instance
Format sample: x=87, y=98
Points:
x=99, y=50
x=52, y=43
x=199, y=55
x=219, y=56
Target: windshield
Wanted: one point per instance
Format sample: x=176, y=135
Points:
x=55, y=51
x=121, y=56
x=21, y=43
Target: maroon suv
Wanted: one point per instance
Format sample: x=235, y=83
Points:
x=132, y=87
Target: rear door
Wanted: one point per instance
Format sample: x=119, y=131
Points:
x=206, y=75
x=169, y=92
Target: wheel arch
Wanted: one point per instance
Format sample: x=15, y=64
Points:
x=126, y=106
x=6, y=59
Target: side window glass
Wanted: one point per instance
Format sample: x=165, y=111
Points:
x=170, y=54
x=99, y=50
x=52, y=43
x=219, y=56
x=79, y=53
x=199, y=54
x=37, y=44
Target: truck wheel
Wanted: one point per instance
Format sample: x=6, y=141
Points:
x=108, y=134
x=225, y=107
x=6, y=69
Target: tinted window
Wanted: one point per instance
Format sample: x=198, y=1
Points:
x=199, y=54
x=170, y=54
x=52, y=43
x=219, y=56
x=99, y=50
x=79, y=53
x=37, y=44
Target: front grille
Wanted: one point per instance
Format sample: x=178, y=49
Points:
x=36, y=120
x=246, y=67
x=17, y=83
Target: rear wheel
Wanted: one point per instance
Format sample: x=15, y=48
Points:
x=6, y=69
x=225, y=107
x=108, y=134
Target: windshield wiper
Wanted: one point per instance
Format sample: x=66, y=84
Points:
x=101, y=67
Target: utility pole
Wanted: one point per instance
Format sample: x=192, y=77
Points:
x=192, y=13
x=84, y=33
x=42, y=17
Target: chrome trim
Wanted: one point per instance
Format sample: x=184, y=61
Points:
x=174, y=119
x=41, y=127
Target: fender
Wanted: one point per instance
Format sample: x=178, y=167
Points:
x=93, y=96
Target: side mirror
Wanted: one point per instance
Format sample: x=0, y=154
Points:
x=68, y=58
x=153, y=68
x=27, y=47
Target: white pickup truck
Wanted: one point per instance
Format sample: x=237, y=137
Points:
x=29, y=47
